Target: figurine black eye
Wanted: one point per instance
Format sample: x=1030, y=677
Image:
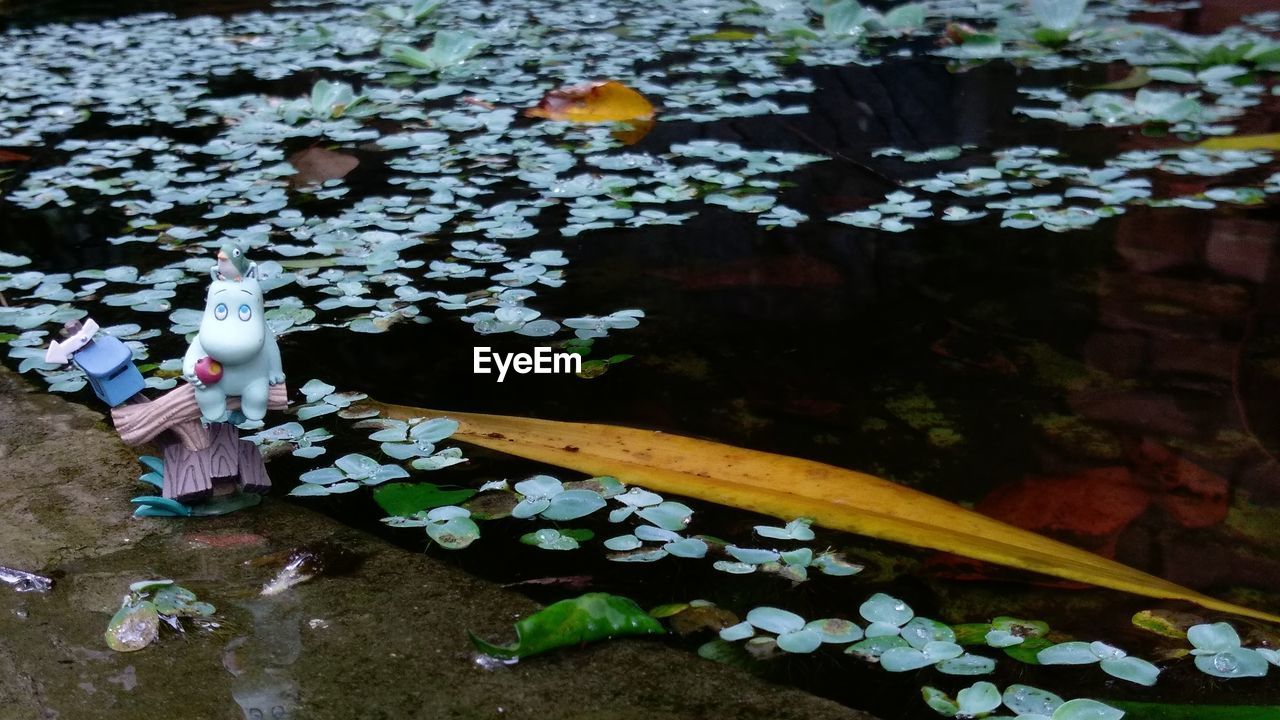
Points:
x=220, y=311
x=246, y=312
x=235, y=252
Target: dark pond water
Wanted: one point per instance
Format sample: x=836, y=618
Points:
x=1113, y=387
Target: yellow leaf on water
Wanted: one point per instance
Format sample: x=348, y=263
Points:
x=1270, y=141
x=724, y=36
x=788, y=487
x=606, y=101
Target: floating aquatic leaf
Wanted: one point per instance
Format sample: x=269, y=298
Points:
x=903, y=659
x=687, y=548
x=967, y=664
x=886, y=609
x=1068, y=653
x=872, y=649
x=1213, y=638
x=550, y=539
x=572, y=504
x=795, y=530
x=433, y=430
x=607, y=101
x=741, y=631
x=452, y=527
x=668, y=515
x=978, y=699
x=800, y=641
x=939, y=701
x=406, y=499
x=1135, y=670
x=1027, y=700
x=1233, y=663
x=920, y=631
x=836, y=631
x=1085, y=709
x=135, y=625
x=623, y=543
x=775, y=620
x=540, y=487
x=585, y=619
x=752, y=556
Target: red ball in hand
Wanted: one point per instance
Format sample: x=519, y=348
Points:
x=208, y=370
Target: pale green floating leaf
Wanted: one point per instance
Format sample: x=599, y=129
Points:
x=687, y=548
x=752, y=556
x=550, y=539
x=540, y=487
x=573, y=504
x=1003, y=639
x=903, y=659
x=134, y=626
x=882, y=608
x=775, y=620
x=1027, y=700
x=1213, y=638
x=1233, y=663
x=314, y=390
x=1085, y=709
x=357, y=466
x=623, y=543
x=978, y=699
x=1068, y=653
x=921, y=631
x=741, y=631
x=433, y=430
x=836, y=631
x=939, y=701
x=940, y=650
x=668, y=515
x=967, y=665
x=1135, y=670
x=323, y=476
x=872, y=649
x=800, y=641
x=455, y=533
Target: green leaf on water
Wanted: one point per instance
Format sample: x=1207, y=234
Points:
x=1162, y=711
x=1028, y=650
x=178, y=601
x=134, y=626
x=584, y=619
x=405, y=499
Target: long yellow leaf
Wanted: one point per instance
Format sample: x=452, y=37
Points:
x=1270, y=141
x=788, y=487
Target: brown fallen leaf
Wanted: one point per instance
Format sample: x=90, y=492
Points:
x=316, y=165
x=8, y=156
x=604, y=101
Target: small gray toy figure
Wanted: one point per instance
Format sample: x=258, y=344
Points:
x=234, y=354
x=232, y=264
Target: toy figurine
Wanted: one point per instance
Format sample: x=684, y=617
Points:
x=233, y=362
x=232, y=264
x=234, y=354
